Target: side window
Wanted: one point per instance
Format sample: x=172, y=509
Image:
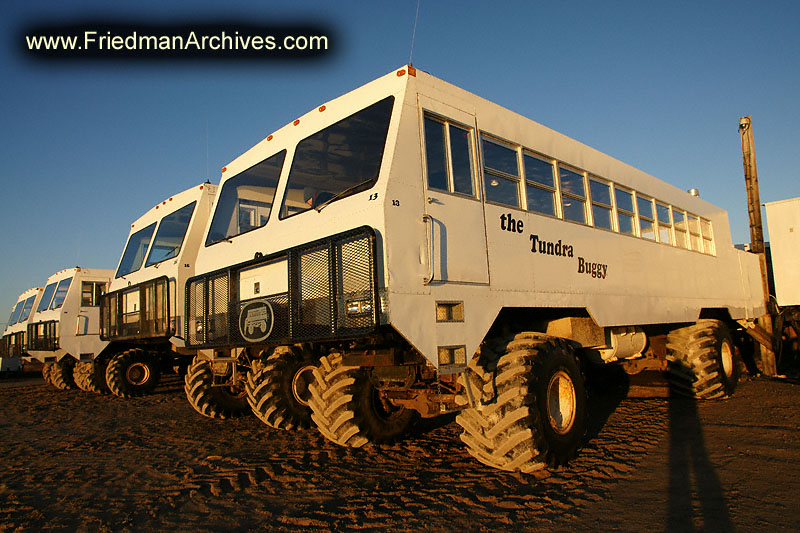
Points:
x=501, y=173
x=449, y=157
x=679, y=222
x=91, y=292
x=664, y=223
x=646, y=217
x=539, y=185
x=573, y=194
x=601, y=203
x=694, y=234
x=625, y=213
x=708, y=238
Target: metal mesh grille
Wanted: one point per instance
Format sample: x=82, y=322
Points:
x=137, y=312
x=332, y=294
x=14, y=344
x=43, y=336
x=314, y=316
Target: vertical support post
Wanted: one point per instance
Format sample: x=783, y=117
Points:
x=768, y=365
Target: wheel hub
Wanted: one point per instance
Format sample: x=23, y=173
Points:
x=726, y=354
x=300, y=382
x=137, y=374
x=561, y=402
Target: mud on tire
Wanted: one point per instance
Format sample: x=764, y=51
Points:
x=530, y=403
x=701, y=360
x=208, y=399
x=278, y=388
x=347, y=408
x=61, y=376
x=133, y=373
x=90, y=376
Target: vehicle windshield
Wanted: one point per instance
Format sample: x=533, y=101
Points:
x=170, y=234
x=345, y=155
x=44, y=303
x=26, y=309
x=61, y=293
x=15, y=313
x=135, y=250
x=245, y=200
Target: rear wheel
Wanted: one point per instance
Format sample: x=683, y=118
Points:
x=702, y=361
x=90, y=376
x=278, y=389
x=530, y=404
x=349, y=410
x=223, y=399
x=61, y=374
x=133, y=373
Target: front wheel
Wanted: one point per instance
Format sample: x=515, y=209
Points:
x=530, y=404
x=90, y=376
x=349, y=410
x=214, y=400
x=133, y=373
x=61, y=374
x=278, y=390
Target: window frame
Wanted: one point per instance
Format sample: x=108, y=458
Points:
x=563, y=193
x=487, y=171
x=553, y=190
x=446, y=123
x=610, y=206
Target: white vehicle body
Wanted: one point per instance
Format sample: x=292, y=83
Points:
x=67, y=320
x=458, y=242
x=146, y=294
x=14, y=343
x=783, y=219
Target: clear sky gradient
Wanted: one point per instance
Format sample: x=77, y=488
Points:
x=87, y=147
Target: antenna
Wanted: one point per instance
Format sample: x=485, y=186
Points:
x=414, y=34
x=207, y=149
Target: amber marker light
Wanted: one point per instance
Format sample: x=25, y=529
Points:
x=269, y=138
x=401, y=72
x=321, y=108
x=224, y=169
x=296, y=122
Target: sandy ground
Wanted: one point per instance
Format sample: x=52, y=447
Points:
x=74, y=461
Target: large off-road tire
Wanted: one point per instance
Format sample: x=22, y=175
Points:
x=46, y=367
x=90, y=376
x=278, y=389
x=701, y=360
x=213, y=401
x=349, y=410
x=61, y=376
x=530, y=403
x=133, y=373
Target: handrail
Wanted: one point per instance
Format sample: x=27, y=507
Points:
x=428, y=221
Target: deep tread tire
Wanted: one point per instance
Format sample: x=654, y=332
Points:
x=90, y=376
x=133, y=373
x=61, y=376
x=347, y=408
x=46, y=367
x=277, y=390
x=209, y=400
x=701, y=361
x=530, y=403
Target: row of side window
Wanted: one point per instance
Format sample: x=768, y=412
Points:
x=553, y=188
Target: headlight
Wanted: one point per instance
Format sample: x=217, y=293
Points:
x=358, y=307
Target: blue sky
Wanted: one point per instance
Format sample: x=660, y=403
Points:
x=87, y=147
